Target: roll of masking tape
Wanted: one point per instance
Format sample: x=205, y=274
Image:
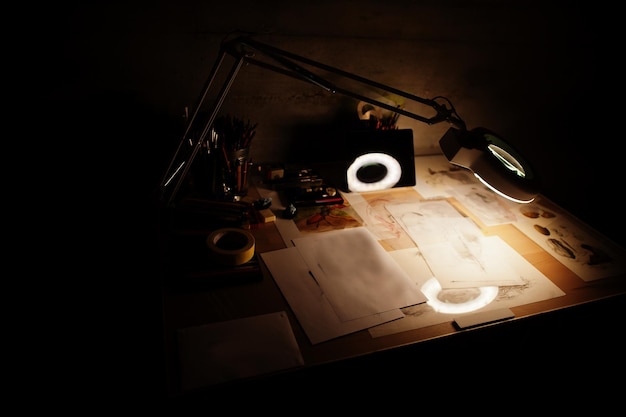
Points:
x=231, y=246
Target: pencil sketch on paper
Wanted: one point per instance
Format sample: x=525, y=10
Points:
x=571, y=242
x=371, y=209
x=455, y=249
x=487, y=206
x=435, y=176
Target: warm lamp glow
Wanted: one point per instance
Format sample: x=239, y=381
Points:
x=494, y=162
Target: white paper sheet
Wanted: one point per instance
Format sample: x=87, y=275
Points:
x=435, y=176
x=227, y=350
x=313, y=310
x=536, y=287
x=456, y=250
x=356, y=274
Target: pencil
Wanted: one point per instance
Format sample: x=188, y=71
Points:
x=239, y=186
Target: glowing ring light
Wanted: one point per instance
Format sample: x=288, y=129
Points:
x=394, y=171
x=432, y=288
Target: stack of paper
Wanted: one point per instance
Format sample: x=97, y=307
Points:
x=341, y=281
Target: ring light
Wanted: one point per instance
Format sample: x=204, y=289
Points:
x=432, y=289
x=359, y=181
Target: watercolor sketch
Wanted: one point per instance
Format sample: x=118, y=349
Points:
x=323, y=218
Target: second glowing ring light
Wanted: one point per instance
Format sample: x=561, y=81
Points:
x=432, y=288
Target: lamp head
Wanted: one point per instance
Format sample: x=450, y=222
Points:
x=493, y=161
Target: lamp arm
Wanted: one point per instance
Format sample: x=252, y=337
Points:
x=186, y=164
x=246, y=47
x=246, y=50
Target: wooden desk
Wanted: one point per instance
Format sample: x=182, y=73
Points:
x=185, y=307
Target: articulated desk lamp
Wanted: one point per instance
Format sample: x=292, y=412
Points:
x=495, y=163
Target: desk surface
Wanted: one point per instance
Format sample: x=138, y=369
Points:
x=259, y=294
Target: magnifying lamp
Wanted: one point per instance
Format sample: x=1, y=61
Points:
x=494, y=162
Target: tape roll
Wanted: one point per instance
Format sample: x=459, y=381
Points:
x=231, y=246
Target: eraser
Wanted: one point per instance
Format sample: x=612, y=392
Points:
x=267, y=216
x=483, y=317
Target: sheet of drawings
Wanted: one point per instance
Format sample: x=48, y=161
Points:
x=455, y=249
x=371, y=209
x=445, y=304
x=437, y=178
x=571, y=242
x=460, y=270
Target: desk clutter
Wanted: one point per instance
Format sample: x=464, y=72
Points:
x=436, y=232
x=210, y=244
x=202, y=213
x=446, y=250
x=301, y=187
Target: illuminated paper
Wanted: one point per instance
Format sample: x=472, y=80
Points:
x=311, y=307
x=455, y=249
x=356, y=274
x=536, y=287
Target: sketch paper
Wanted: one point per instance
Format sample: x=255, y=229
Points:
x=312, y=309
x=571, y=242
x=223, y=351
x=536, y=287
x=487, y=206
x=371, y=209
x=356, y=274
x=435, y=176
x=455, y=249
x=438, y=178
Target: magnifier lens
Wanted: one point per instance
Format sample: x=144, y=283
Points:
x=507, y=160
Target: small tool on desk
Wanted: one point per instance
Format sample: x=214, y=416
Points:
x=262, y=203
x=290, y=212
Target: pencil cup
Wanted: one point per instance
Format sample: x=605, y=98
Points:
x=235, y=174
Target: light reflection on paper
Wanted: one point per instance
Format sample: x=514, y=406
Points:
x=455, y=249
x=536, y=287
x=457, y=301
